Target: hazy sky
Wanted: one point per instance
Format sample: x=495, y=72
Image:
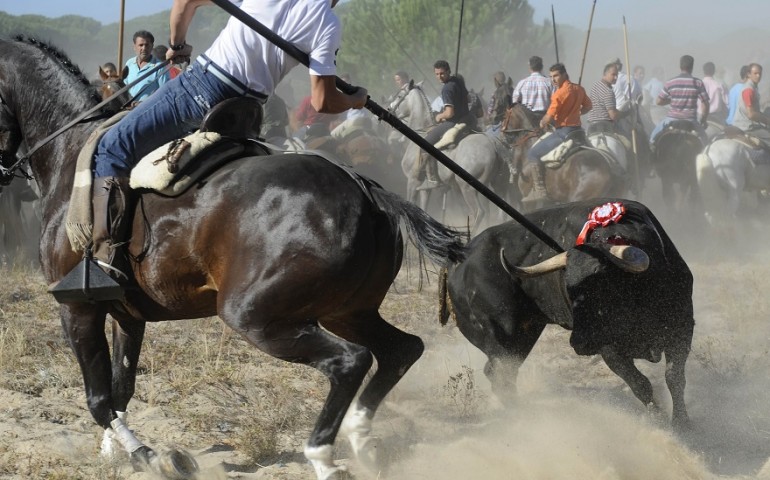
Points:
x=705, y=16
x=708, y=14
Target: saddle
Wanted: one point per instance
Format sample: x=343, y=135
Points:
x=453, y=136
x=173, y=168
x=556, y=157
x=239, y=117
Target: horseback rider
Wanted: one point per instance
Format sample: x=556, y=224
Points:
x=681, y=93
x=144, y=61
x=717, y=94
x=240, y=63
x=734, y=95
x=748, y=116
x=604, y=113
x=500, y=101
x=568, y=102
x=535, y=90
x=455, y=111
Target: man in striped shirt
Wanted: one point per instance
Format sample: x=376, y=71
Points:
x=682, y=93
x=604, y=113
x=534, y=91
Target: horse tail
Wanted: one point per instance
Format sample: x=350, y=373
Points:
x=708, y=184
x=441, y=244
x=444, y=302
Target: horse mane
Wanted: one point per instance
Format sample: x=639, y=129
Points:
x=62, y=59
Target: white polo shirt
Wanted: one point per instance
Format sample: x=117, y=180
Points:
x=310, y=25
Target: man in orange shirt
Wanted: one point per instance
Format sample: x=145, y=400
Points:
x=568, y=102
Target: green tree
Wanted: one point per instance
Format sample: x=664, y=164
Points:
x=382, y=36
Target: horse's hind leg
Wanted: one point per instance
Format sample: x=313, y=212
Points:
x=395, y=351
x=345, y=365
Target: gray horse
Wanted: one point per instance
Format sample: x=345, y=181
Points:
x=481, y=155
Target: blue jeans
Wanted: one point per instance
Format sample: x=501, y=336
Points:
x=173, y=111
x=696, y=125
x=549, y=143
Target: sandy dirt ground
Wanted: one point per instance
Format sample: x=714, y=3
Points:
x=244, y=415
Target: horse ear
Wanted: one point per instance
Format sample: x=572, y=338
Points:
x=102, y=74
x=411, y=84
x=124, y=73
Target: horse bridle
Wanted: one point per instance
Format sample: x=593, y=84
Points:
x=8, y=174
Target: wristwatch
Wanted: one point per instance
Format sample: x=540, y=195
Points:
x=178, y=46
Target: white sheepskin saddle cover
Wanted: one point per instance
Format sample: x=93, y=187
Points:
x=152, y=171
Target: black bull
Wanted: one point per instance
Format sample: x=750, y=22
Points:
x=622, y=309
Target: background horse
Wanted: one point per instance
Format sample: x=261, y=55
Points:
x=586, y=173
x=725, y=170
x=288, y=250
x=674, y=162
x=480, y=155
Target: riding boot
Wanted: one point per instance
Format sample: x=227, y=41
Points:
x=538, y=193
x=432, y=179
x=112, y=202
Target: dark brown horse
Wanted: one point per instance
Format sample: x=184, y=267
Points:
x=289, y=251
x=585, y=174
x=674, y=161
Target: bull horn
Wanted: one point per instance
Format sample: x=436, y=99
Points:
x=629, y=258
x=546, y=266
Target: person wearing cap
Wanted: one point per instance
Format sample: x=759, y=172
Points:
x=239, y=63
x=500, y=101
x=534, y=91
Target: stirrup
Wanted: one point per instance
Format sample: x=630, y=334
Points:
x=428, y=184
x=86, y=283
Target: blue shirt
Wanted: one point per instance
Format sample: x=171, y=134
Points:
x=733, y=99
x=149, y=84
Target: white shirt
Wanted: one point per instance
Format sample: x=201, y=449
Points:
x=622, y=99
x=309, y=25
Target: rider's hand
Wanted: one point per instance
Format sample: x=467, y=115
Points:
x=360, y=97
x=180, y=56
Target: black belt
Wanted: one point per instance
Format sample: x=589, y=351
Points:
x=210, y=67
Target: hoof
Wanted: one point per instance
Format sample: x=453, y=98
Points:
x=369, y=454
x=143, y=458
x=177, y=465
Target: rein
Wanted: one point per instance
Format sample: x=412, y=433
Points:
x=8, y=174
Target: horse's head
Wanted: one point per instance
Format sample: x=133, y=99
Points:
x=112, y=82
x=413, y=107
x=10, y=140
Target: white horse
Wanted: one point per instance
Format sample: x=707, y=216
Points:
x=725, y=171
x=479, y=154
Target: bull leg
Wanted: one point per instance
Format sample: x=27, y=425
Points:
x=395, y=351
x=502, y=369
x=676, y=357
x=345, y=365
x=624, y=368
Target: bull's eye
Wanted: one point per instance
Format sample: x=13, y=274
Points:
x=617, y=240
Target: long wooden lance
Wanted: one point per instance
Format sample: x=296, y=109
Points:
x=555, y=40
x=585, y=48
x=393, y=121
x=633, y=105
x=120, y=35
x=459, y=36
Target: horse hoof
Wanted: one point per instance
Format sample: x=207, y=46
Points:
x=368, y=454
x=142, y=459
x=177, y=465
